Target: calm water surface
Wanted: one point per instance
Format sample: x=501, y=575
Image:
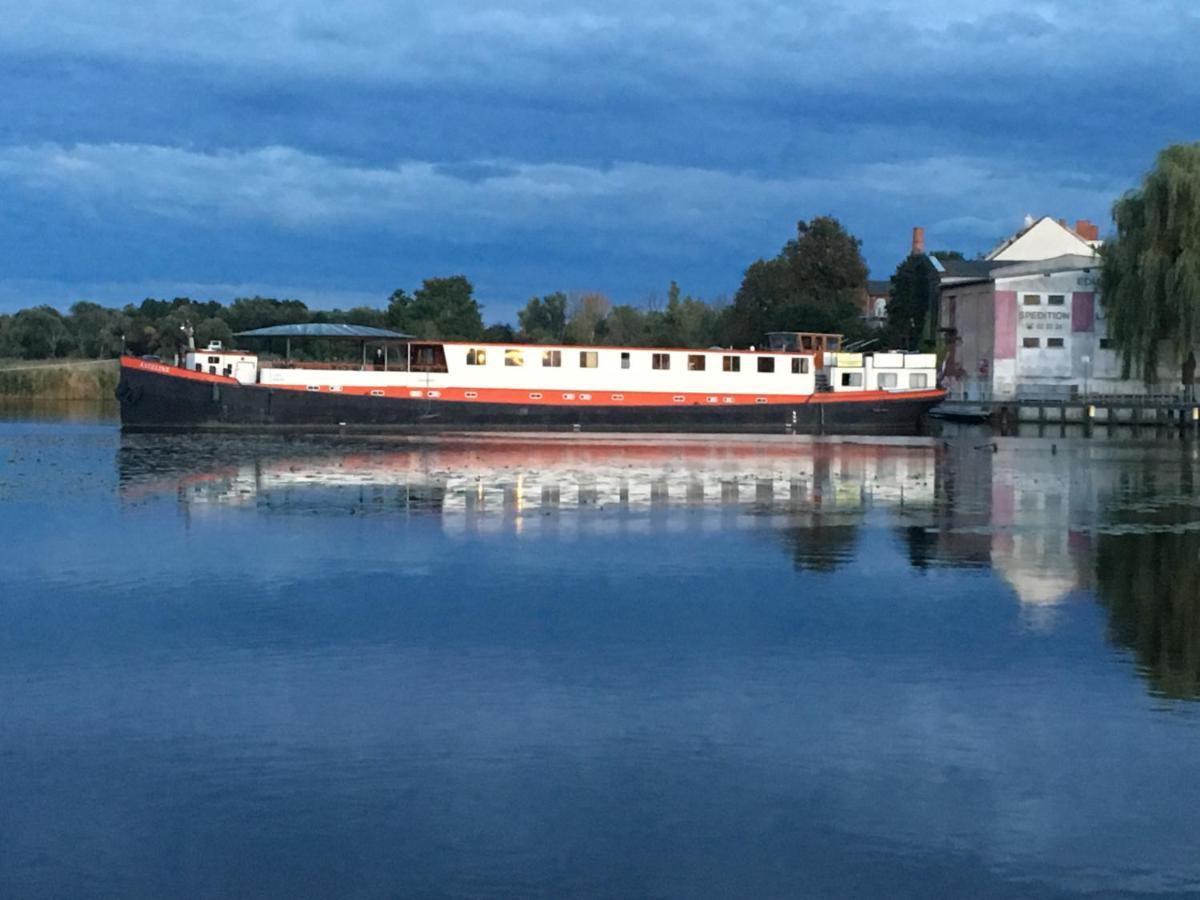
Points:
x=368, y=667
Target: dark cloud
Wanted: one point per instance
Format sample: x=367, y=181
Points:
x=536, y=146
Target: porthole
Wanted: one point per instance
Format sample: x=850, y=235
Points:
x=376, y=393
x=470, y=395
x=535, y=396
x=618, y=397
x=679, y=398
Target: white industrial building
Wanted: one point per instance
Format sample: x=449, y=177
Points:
x=1025, y=322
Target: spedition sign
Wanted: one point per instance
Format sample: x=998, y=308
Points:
x=1041, y=320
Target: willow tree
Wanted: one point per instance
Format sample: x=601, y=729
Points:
x=1151, y=271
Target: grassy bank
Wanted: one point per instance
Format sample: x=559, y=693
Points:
x=94, y=380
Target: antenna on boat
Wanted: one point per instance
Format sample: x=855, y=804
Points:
x=190, y=333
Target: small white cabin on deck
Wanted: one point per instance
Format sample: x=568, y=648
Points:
x=215, y=360
x=881, y=371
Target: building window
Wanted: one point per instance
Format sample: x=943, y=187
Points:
x=695, y=362
x=214, y=359
x=1106, y=343
x=852, y=379
x=1031, y=342
x=624, y=359
x=588, y=359
x=766, y=364
x=1032, y=300
x=918, y=380
x=1056, y=300
x=731, y=363
x=660, y=361
x=887, y=379
x=514, y=357
x=476, y=356
x=1054, y=342
x=552, y=358
x=799, y=365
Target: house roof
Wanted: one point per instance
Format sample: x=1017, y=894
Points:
x=875, y=287
x=1066, y=263
x=1047, y=227
x=325, y=330
x=959, y=269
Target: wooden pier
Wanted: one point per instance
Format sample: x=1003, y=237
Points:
x=1159, y=411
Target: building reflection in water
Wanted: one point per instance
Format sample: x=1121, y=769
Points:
x=1058, y=522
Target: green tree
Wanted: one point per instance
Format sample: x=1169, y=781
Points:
x=500, y=333
x=544, y=320
x=687, y=321
x=214, y=329
x=911, y=304
x=96, y=329
x=588, y=311
x=248, y=313
x=442, y=308
x=40, y=333
x=626, y=326
x=1150, y=283
x=816, y=283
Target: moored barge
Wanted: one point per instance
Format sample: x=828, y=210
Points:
x=795, y=385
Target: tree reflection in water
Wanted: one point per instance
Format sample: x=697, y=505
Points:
x=1150, y=584
x=823, y=545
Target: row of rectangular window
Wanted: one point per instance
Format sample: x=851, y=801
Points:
x=1032, y=342
x=886, y=379
x=1051, y=300
x=590, y=359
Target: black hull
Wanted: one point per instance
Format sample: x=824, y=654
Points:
x=154, y=401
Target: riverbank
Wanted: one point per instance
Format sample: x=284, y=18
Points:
x=92, y=380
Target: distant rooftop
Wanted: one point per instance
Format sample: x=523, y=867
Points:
x=967, y=268
x=325, y=330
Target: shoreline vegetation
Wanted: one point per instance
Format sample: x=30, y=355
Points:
x=60, y=380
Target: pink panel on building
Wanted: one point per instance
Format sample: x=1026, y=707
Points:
x=1006, y=324
x=1083, y=311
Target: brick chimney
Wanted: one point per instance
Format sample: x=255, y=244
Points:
x=918, y=244
x=1087, y=230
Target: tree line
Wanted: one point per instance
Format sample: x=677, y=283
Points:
x=816, y=282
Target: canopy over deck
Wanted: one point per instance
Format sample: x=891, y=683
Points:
x=326, y=330
x=364, y=334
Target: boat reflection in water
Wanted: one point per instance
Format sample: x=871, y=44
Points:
x=1059, y=523
x=485, y=484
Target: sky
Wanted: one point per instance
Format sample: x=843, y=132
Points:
x=336, y=151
